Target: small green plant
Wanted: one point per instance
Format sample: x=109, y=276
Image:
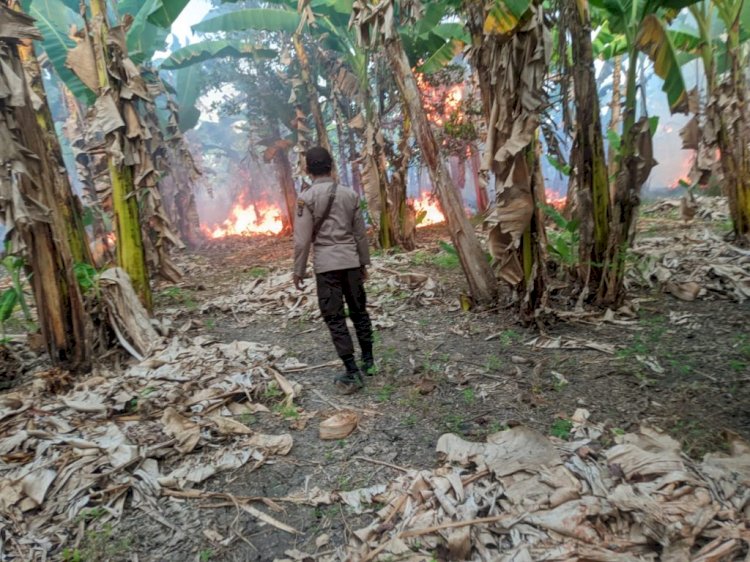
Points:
x=562, y=244
x=496, y=426
x=561, y=429
x=209, y=323
x=258, y=272
x=455, y=423
x=385, y=392
x=87, y=277
x=13, y=296
x=246, y=419
x=272, y=391
x=90, y=514
x=448, y=259
x=72, y=555
x=738, y=366
x=410, y=420
x=287, y=411
x=493, y=363
x=206, y=555
x=101, y=544
x=178, y=295
x=468, y=395
x=508, y=337
x=618, y=431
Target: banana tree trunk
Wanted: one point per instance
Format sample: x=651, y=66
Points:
x=482, y=282
x=29, y=198
x=515, y=62
x=592, y=183
x=130, y=247
x=67, y=203
x=731, y=104
x=483, y=200
x=615, y=116
x=312, y=94
x=374, y=172
x=403, y=215
x=634, y=167
x=286, y=181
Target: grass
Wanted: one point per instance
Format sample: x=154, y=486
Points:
x=496, y=426
x=493, y=363
x=385, y=392
x=441, y=259
x=288, y=412
x=206, y=555
x=272, y=391
x=90, y=514
x=98, y=544
x=508, y=337
x=468, y=396
x=176, y=296
x=257, y=272
x=561, y=429
x=454, y=423
x=246, y=419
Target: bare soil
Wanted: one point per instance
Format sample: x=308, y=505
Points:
x=443, y=370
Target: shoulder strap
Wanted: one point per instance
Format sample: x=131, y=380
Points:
x=326, y=211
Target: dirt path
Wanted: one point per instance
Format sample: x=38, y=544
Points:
x=681, y=366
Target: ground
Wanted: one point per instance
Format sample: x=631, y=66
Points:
x=440, y=370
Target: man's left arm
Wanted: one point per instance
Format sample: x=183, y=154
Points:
x=303, y=231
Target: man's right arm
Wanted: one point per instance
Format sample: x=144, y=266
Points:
x=303, y=230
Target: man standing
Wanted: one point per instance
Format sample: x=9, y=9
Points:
x=329, y=220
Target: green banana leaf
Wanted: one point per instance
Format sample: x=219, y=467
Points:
x=442, y=57
x=166, y=12
x=206, y=50
x=266, y=19
x=188, y=83
x=654, y=40
x=54, y=19
x=505, y=15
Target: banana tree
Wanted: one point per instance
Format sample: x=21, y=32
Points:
x=589, y=178
x=727, y=118
x=67, y=202
x=644, y=25
x=511, y=59
x=376, y=24
x=30, y=199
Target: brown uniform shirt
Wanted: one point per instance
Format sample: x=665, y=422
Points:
x=341, y=242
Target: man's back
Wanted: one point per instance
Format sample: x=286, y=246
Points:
x=341, y=241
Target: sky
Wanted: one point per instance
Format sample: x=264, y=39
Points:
x=192, y=14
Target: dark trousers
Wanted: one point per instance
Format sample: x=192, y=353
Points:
x=333, y=288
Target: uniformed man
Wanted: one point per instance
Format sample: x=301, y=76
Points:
x=329, y=219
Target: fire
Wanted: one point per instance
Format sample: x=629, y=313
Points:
x=441, y=103
x=555, y=198
x=426, y=207
x=247, y=220
x=683, y=173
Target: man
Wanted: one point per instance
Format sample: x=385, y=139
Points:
x=329, y=219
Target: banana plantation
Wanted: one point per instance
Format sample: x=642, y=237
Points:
x=533, y=215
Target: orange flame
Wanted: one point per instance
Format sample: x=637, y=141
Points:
x=426, y=206
x=555, y=198
x=683, y=174
x=440, y=103
x=248, y=220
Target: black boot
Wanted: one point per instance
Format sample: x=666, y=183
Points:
x=351, y=381
x=368, y=362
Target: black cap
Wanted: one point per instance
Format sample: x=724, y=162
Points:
x=319, y=161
